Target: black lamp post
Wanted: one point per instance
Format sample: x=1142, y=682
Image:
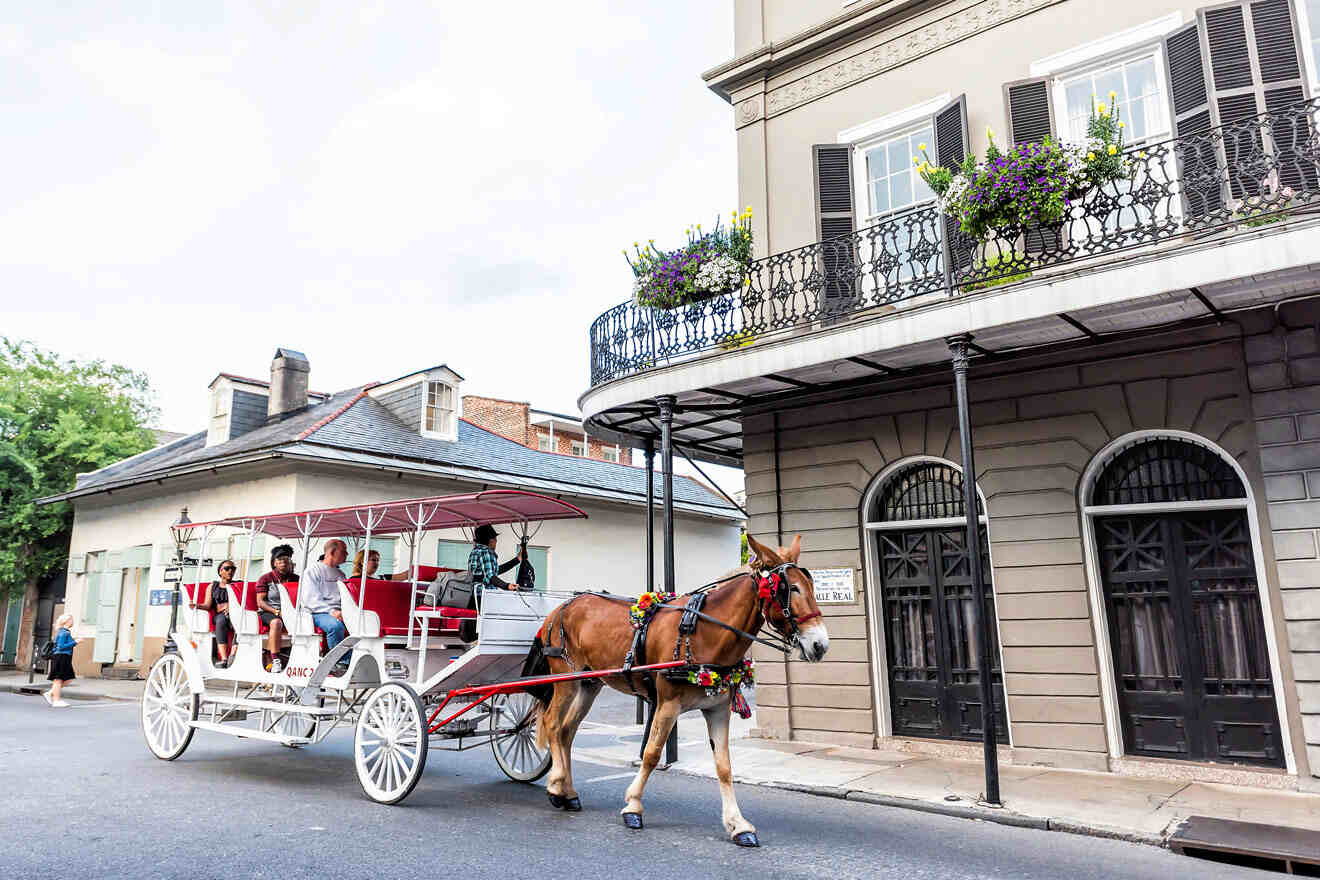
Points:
x=182, y=532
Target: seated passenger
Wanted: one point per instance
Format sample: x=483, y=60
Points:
x=268, y=600
x=216, y=600
x=319, y=594
x=373, y=562
x=484, y=564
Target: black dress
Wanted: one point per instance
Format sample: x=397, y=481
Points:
x=61, y=667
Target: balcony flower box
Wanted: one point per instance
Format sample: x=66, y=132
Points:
x=710, y=265
x=1029, y=185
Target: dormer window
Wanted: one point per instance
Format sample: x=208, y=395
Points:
x=439, y=416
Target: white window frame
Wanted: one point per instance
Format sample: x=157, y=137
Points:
x=1304, y=27
x=579, y=448
x=1059, y=96
x=449, y=431
x=545, y=443
x=606, y=451
x=875, y=131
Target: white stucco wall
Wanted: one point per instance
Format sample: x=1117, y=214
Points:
x=605, y=551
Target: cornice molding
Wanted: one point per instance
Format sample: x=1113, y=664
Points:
x=866, y=63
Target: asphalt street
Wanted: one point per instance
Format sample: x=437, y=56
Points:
x=83, y=798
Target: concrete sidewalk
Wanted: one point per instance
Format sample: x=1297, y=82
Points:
x=1144, y=810
x=82, y=688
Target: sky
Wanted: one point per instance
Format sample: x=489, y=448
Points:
x=384, y=186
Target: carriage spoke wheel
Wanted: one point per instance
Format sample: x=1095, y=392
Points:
x=168, y=708
x=389, y=747
x=513, y=737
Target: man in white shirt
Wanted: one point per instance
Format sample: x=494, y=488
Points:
x=318, y=592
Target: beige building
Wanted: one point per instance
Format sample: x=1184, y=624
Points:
x=274, y=447
x=1144, y=378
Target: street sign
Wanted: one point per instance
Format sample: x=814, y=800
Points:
x=834, y=586
x=161, y=597
x=173, y=574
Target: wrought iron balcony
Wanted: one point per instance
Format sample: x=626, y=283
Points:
x=1221, y=181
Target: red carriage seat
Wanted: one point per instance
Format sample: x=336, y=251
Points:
x=391, y=601
x=194, y=593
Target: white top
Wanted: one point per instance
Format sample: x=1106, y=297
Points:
x=318, y=589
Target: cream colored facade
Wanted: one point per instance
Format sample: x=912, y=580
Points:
x=1052, y=406
x=606, y=551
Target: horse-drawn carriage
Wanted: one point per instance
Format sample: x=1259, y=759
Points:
x=413, y=682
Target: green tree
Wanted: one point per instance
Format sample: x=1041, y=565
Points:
x=58, y=418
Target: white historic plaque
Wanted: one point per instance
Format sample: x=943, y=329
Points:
x=833, y=585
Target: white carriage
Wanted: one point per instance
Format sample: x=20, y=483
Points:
x=412, y=683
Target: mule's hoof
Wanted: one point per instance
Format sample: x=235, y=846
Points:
x=633, y=821
x=746, y=838
x=572, y=805
x=559, y=802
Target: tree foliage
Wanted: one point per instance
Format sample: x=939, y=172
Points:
x=58, y=418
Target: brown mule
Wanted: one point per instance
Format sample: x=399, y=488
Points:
x=594, y=631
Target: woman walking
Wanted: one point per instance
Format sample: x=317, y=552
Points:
x=61, y=662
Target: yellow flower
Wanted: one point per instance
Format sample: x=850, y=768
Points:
x=1112, y=94
x=1141, y=155
x=634, y=244
x=1099, y=108
x=1112, y=149
x=1104, y=111
x=916, y=160
x=1121, y=124
x=921, y=147
x=1090, y=155
x=989, y=133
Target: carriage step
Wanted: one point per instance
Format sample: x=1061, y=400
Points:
x=251, y=733
x=254, y=705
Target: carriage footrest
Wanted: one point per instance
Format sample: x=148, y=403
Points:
x=251, y=733
x=272, y=705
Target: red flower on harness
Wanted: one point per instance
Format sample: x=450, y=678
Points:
x=644, y=601
x=767, y=586
x=705, y=678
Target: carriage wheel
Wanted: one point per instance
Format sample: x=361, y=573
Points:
x=389, y=747
x=168, y=708
x=513, y=737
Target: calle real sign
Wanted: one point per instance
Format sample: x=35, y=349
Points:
x=833, y=585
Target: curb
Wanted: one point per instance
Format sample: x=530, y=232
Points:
x=998, y=816
x=37, y=688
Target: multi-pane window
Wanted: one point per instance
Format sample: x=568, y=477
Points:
x=545, y=443
x=610, y=453
x=1140, y=95
x=892, y=181
x=439, y=408
x=579, y=447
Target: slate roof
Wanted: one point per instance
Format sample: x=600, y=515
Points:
x=353, y=428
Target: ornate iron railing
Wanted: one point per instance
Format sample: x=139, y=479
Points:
x=1236, y=176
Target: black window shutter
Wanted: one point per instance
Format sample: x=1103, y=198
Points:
x=1031, y=121
x=1255, y=66
x=1030, y=116
x=952, y=146
x=1189, y=93
x=835, y=224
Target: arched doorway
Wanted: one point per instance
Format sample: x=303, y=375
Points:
x=1174, y=561
x=916, y=527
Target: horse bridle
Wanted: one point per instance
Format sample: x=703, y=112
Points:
x=776, y=592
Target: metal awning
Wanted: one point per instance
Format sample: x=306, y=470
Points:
x=492, y=507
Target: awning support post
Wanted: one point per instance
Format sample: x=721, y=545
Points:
x=666, y=404
x=958, y=347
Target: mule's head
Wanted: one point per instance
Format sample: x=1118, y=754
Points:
x=797, y=619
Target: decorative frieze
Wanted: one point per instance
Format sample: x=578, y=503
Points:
x=923, y=40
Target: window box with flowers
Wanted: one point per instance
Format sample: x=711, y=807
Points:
x=1029, y=184
x=711, y=264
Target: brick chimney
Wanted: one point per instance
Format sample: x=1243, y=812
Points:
x=288, y=384
x=508, y=418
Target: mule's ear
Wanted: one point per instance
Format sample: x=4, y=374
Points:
x=764, y=555
x=794, y=551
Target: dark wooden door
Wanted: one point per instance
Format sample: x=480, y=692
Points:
x=934, y=686
x=1188, y=639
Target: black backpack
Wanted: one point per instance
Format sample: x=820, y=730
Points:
x=47, y=650
x=526, y=578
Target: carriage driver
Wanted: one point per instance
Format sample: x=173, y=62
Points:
x=320, y=587
x=268, y=599
x=484, y=564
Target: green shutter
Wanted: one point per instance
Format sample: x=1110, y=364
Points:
x=453, y=554
x=540, y=559
x=136, y=557
x=385, y=547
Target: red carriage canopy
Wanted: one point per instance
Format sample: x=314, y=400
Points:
x=491, y=507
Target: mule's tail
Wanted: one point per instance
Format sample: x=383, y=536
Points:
x=538, y=664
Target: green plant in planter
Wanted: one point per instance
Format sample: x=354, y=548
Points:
x=738, y=339
x=1028, y=183
x=990, y=264
x=710, y=264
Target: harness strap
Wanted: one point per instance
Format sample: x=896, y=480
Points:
x=688, y=625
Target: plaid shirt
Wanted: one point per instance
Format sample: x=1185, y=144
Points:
x=483, y=563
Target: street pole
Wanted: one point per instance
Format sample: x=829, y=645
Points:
x=648, y=449
x=958, y=347
x=181, y=532
x=666, y=404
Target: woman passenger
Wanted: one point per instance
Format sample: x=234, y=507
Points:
x=216, y=600
x=373, y=562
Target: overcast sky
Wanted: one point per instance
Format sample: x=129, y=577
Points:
x=383, y=186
